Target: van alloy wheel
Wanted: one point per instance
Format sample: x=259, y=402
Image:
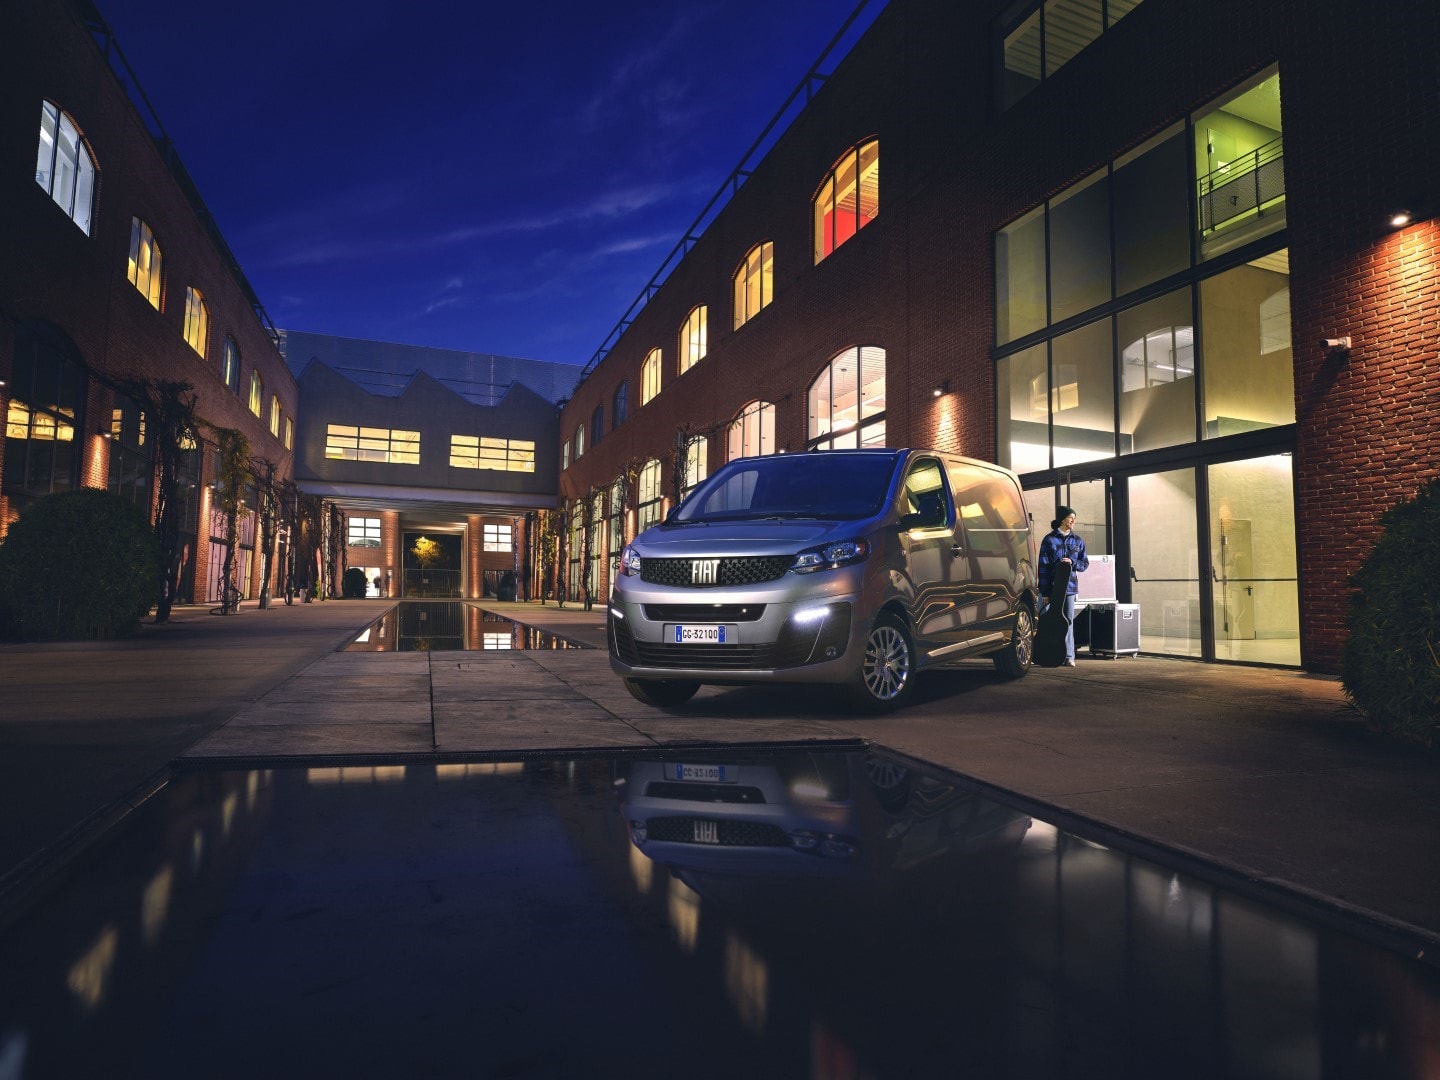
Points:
x=1013, y=661
x=887, y=672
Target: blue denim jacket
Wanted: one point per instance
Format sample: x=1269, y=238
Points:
x=1057, y=546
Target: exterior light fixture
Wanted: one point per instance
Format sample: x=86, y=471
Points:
x=1400, y=218
x=942, y=389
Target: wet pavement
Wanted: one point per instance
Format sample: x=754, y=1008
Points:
x=682, y=914
x=1256, y=782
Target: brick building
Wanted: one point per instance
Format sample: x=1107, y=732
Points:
x=438, y=461
x=111, y=267
x=1144, y=253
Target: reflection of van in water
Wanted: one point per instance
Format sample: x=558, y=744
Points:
x=857, y=567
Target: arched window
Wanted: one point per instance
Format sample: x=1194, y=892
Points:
x=620, y=406
x=197, y=321
x=64, y=166
x=257, y=393
x=697, y=463
x=752, y=433
x=754, y=282
x=579, y=442
x=847, y=401
x=650, y=377
x=230, y=365
x=692, y=339
x=647, y=496
x=146, y=263
x=565, y=454
x=848, y=199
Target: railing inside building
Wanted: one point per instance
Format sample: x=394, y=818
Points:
x=433, y=583
x=1247, y=186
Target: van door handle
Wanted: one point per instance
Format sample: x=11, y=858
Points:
x=956, y=550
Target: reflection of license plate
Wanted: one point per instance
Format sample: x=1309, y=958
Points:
x=693, y=634
x=711, y=774
x=706, y=832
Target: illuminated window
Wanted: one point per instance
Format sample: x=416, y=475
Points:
x=754, y=282
x=752, y=433
x=289, y=434
x=692, y=339
x=620, y=407
x=275, y=415
x=372, y=444
x=498, y=537
x=650, y=377
x=145, y=262
x=501, y=455
x=197, y=321
x=849, y=199
x=64, y=167
x=1044, y=36
x=579, y=442
x=847, y=401
x=47, y=396
x=363, y=532
x=257, y=393
x=565, y=454
x=230, y=365
x=697, y=465
x=647, y=499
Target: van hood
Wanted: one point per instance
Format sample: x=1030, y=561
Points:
x=729, y=538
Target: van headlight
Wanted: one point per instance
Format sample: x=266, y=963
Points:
x=630, y=562
x=832, y=555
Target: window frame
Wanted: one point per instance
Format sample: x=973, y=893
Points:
x=76, y=192
x=145, y=268
x=197, y=322
x=692, y=346
x=757, y=268
x=826, y=239
x=651, y=381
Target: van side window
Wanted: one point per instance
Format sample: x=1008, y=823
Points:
x=925, y=492
x=991, y=514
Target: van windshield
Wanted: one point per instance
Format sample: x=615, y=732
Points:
x=821, y=485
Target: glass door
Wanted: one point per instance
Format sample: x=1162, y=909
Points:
x=1164, y=548
x=1255, y=586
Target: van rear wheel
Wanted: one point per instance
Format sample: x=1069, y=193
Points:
x=1014, y=660
x=887, y=673
x=662, y=693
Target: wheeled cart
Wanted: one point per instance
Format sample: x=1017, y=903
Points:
x=1114, y=629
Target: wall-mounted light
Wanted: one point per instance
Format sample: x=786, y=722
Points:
x=1342, y=343
x=1400, y=218
x=942, y=389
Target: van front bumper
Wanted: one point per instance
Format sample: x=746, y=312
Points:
x=808, y=641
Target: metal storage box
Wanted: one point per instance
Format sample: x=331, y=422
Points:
x=1114, y=629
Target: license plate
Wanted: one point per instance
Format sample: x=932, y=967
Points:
x=709, y=774
x=700, y=634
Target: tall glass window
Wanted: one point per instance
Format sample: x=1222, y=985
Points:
x=847, y=401
x=692, y=339
x=1023, y=436
x=1240, y=166
x=1082, y=394
x=650, y=377
x=1047, y=37
x=257, y=392
x=754, y=282
x=1247, y=362
x=848, y=199
x=697, y=466
x=1080, y=247
x=579, y=442
x=620, y=406
x=197, y=321
x=647, y=497
x=230, y=365
x=132, y=462
x=1020, y=307
x=597, y=424
x=1155, y=343
x=64, y=166
x=275, y=415
x=145, y=263
x=1152, y=212
x=47, y=397
x=752, y=433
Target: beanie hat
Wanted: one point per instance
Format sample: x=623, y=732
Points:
x=1061, y=513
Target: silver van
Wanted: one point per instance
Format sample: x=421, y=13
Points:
x=852, y=567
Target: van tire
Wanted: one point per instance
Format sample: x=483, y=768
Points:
x=662, y=693
x=1013, y=661
x=887, y=669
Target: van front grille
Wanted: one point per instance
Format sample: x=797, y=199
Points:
x=740, y=570
x=707, y=613
x=727, y=832
x=714, y=657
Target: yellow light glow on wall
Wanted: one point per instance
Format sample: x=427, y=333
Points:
x=684, y=911
x=89, y=975
x=747, y=982
x=356, y=774
x=155, y=904
x=642, y=870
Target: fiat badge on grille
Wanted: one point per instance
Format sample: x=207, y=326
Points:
x=704, y=571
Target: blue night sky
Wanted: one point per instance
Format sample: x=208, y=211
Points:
x=489, y=177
